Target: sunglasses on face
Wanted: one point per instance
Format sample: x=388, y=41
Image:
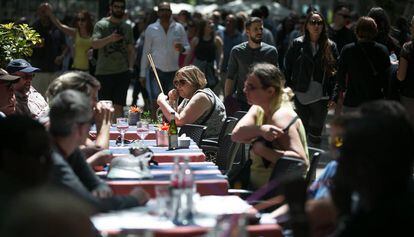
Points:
x=180, y=82
x=316, y=22
x=81, y=19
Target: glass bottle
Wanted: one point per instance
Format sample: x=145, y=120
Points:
x=172, y=133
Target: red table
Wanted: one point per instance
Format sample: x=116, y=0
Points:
x=264, y=230
x=268, y=230
x=217, y=185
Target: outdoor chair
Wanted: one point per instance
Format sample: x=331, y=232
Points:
x=194, y=131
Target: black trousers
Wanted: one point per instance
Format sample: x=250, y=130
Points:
x=313, y=117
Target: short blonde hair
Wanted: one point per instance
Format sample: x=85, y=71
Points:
x=193, y=75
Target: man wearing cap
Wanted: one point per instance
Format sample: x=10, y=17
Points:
x=7, y=98
x=164, y=40
x=29, y=101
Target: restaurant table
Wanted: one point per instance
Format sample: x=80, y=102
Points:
x=161, y=154
x=131, y=134
x=146, y=222
x=208, y=179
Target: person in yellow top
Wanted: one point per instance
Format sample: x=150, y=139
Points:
x=81, y=33
x=272, y=118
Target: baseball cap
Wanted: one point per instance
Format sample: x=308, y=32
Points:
x=5, y=76
x=20, y=65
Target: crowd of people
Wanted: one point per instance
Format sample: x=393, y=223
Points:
x=285, y=77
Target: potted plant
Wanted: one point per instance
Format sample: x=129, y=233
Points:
x=134, y=115
x=17, y=41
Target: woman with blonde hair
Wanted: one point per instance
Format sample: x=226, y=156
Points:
x=200, y=105
x=272, y=118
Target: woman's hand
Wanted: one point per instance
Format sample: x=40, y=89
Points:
x=161, y=98
x=173, y=98
x=173, y=95
x=270, y=132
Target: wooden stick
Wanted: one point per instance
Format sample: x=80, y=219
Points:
x=155, y=72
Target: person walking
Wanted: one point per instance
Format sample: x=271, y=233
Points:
x=243, y=56
x=165, y=39
x=116, y=56
x=310, y=67
x=363, y=67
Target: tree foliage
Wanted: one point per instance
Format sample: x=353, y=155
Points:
x=17, y=41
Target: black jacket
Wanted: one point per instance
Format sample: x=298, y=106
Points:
x=300, y=65
x=363, y=72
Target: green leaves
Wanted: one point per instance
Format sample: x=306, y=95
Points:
x=17, y=41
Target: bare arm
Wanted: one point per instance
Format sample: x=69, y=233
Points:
x=193, y=45
x=131, y=56
x=402, y=69
x=195, y=108
x=64, y=28
x=247, y=130
x=219, y=52
x=228, y=87
x=99, y=43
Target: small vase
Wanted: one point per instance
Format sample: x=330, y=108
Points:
x=133, y=118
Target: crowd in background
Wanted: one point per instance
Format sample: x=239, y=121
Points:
x=210, y=66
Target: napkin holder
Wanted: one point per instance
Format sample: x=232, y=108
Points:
x=133, y=166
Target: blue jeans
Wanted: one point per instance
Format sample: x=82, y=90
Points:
x=166, y=79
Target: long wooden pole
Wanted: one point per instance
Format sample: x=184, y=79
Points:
x=151, y=61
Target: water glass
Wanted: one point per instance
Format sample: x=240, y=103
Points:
x=163, y=198
x=142, y=129
x=106, y=103
x=122, y=126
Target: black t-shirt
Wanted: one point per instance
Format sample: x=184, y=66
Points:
x=363, y=72
x=341, y=37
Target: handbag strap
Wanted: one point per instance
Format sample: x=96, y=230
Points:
x=369, y=59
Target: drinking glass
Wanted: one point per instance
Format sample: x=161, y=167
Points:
x=142, y=129
x=107, y=103
x=163, y=197
x=122, y=126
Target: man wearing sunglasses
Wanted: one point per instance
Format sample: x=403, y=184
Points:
x=29, y=101
x=113, y=38
x=338, y=31
x=7, y=98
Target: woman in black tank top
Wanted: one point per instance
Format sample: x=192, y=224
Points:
x=207, y=49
